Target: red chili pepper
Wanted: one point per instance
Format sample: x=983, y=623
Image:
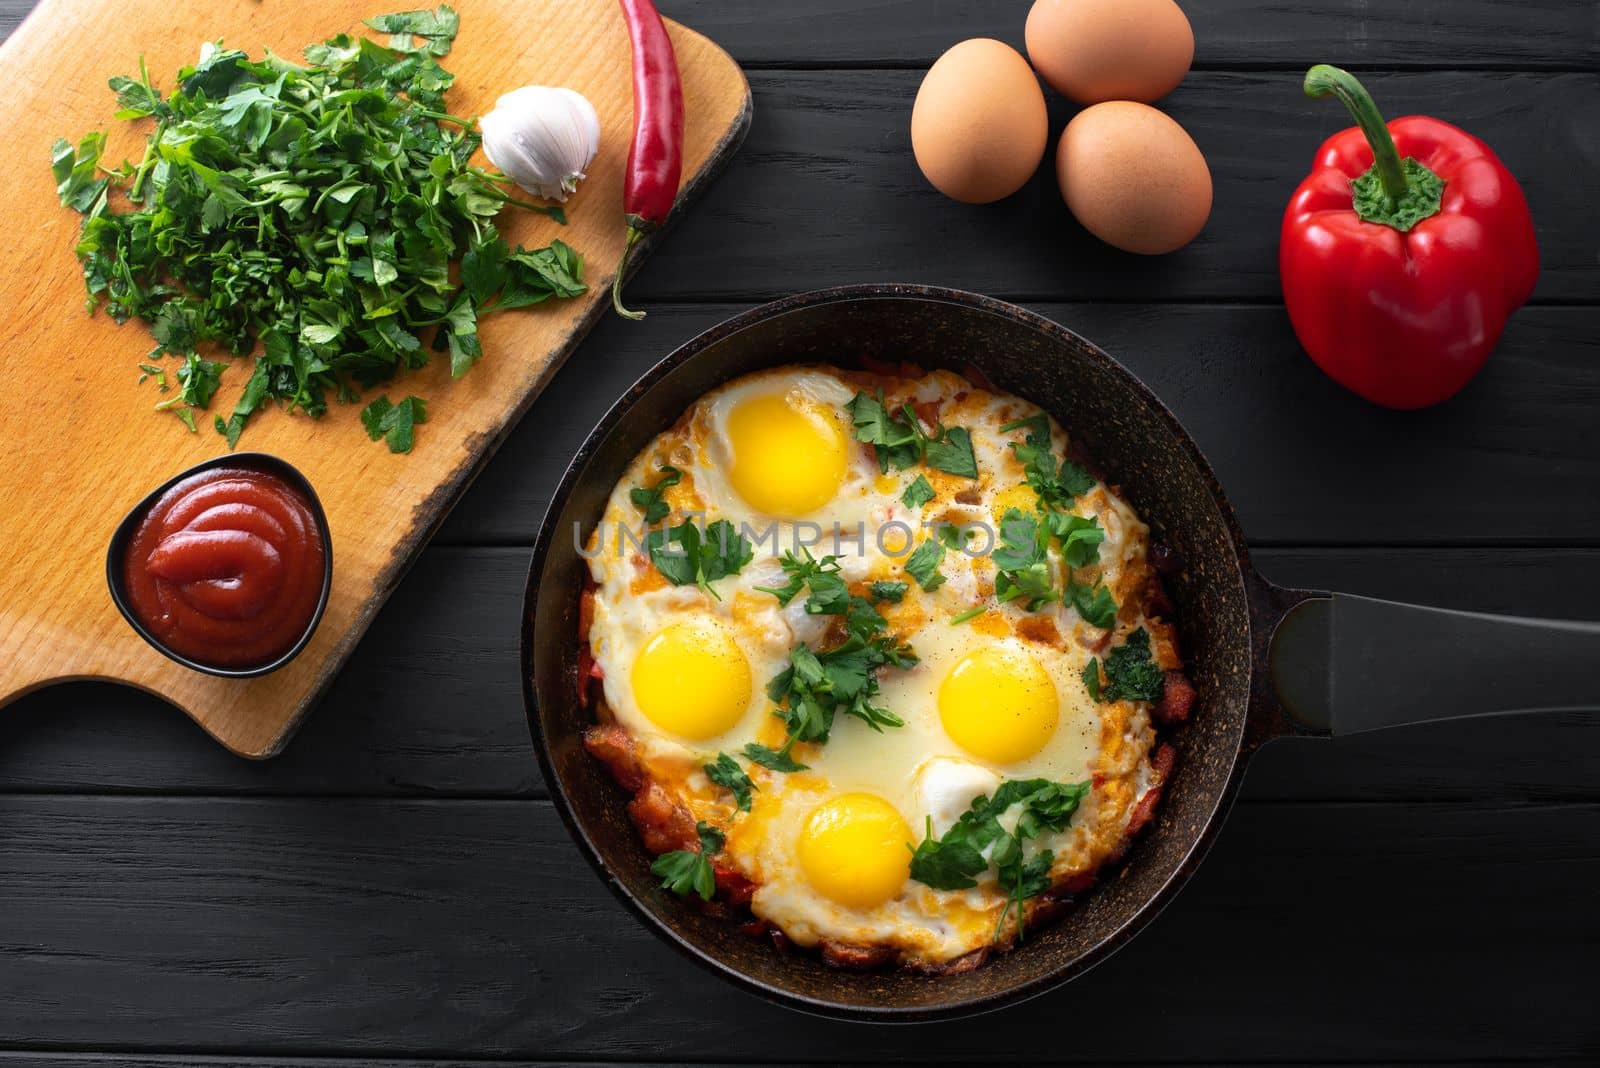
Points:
x=655, y=159
x=1403, y=253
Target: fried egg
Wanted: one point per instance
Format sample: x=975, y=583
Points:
x=997, y=691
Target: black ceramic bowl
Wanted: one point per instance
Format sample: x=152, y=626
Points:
x=1228, y=619
x=259, y=461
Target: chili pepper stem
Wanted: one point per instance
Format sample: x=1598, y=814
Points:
x=635, y=232
x=1324, y=80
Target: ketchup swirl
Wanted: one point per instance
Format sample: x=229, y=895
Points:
x=226, y=568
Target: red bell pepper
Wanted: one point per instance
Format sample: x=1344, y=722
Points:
x=1403, y=253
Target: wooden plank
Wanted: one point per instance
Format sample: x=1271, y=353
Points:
x=1228, y=33
x=430, y=704
x=189, y=1060
x=825, y=191
x=387, y=928
x=1531, y=34
x=1303, y=461
x=67, y=481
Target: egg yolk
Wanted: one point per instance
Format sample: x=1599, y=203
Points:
x=999, y=704
x=854, y=850
x=1021, y=497
x=789, y=455
x=692, y=679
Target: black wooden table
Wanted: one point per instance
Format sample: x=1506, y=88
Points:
x=397, y=889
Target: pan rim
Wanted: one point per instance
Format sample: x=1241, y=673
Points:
x=544, y=538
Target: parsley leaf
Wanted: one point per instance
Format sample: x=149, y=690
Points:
x=395, y=423
x=255, y=394
x=919, y=493
x=1080, y=537
x=892, y=592
x=1091, y=678
x=685, y=871
x=1094, y=604
x=951, y=452
x=310, y=214
x=686, y=557
x=726, y=773
x=200, y=380
x=923, y=564
x=77, y=174
x=774, y=759
x=1133, y=673
x=652, y=502
x=436, y=28
x=896, y=439
x=947, y=864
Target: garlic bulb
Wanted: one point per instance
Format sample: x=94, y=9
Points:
x=543, y=138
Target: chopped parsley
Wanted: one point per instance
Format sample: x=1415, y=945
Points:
x=686, y=871
x=395, y=423
x=892, y=592
x=200, y=380
x=923, y=564
x=726, y=773
x=1091, y=678
x=919, y=493
x=1022, y=561
x=1133, y=673
x=686, y=556
x=774, y=759
x=978, y=839
x=828, y=593
x=1080, y=537
x=951, y=452
x=1094, y=604
x=652, y=502
x=897, y=439
x=313, y=214
x=819, y=685
x=1057, y=484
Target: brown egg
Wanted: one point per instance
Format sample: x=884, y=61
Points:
x=1094, y=50
x=979, y=128
x=1133, y=177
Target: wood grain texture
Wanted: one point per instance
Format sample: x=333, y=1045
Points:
x=1233, y=34
x=1303, y=461
x=363, y=927
x=430, y=704
x=96, y=449
x=825, y=191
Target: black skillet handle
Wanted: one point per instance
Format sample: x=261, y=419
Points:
x=1337, y=664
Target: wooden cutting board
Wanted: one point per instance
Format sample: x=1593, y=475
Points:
x=81, y=443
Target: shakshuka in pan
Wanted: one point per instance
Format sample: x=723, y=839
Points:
x=881, y=660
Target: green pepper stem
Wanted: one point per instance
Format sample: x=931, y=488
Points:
x=635, y=232
x=1324, y=80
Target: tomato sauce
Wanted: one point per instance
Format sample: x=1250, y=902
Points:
x=226, y=568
